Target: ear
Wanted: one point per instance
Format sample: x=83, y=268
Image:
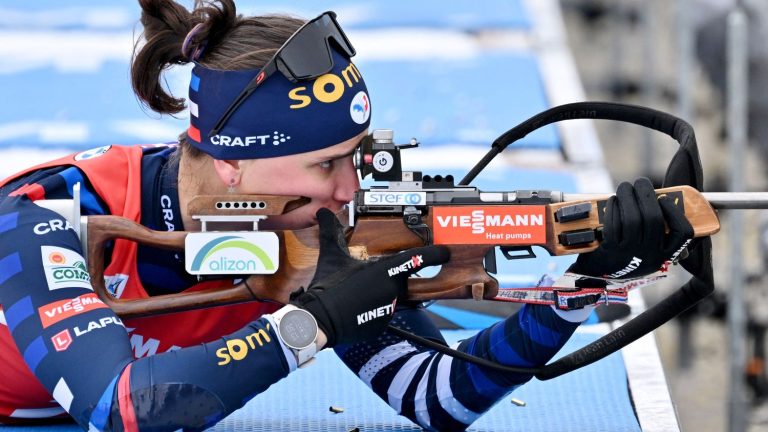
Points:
x=229, y=171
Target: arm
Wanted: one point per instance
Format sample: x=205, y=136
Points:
x=439, y=392
x=115, y=391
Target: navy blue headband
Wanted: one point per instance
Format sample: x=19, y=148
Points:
x=280, y=118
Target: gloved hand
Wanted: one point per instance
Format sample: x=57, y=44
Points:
x=353, y=300
x=634, y=242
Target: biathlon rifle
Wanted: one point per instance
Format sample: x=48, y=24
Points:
x=412, y=210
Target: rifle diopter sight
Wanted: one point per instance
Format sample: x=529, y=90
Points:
x=379, y=156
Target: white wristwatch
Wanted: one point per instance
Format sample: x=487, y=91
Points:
x=297, y=329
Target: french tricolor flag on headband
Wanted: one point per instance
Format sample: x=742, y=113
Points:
x=193, y=133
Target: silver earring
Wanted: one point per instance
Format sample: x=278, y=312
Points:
x=231, y=188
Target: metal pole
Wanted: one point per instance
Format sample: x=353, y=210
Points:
x=685, y=55
x=737, y=88
x=718, y=200
x=737, y=200
x=616, y=54
x=684, y=76
x=649, y=15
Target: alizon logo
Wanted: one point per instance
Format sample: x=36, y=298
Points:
x=232, y=253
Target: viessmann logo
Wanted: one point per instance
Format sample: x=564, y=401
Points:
x=227, y=253
x=489, y=225
x=60, y=310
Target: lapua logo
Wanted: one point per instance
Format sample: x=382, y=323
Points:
x=95, y=325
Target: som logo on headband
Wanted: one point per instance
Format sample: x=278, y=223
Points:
x=327, y=88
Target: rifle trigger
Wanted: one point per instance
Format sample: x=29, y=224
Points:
x=525, y=252
x=413, y=220
x=490, y=261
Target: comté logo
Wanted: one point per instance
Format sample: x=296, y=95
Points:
x=61, y=340
x=489, y=225
x=64, y=268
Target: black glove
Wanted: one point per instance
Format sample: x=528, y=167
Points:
x=353, y=300
x=634, y=242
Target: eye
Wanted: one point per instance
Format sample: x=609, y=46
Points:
x=326, y=164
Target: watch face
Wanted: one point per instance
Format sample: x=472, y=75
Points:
x=298, y=329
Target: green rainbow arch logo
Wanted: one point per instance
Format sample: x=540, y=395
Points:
x=230, y=242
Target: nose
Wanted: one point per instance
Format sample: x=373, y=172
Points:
x=346, y=182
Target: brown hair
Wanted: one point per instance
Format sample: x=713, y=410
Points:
x=222, y=40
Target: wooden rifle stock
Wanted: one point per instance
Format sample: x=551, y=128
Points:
x=463, y=277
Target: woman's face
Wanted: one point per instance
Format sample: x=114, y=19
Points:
x=327, y=177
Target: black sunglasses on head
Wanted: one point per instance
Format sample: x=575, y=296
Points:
x=305, y=55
